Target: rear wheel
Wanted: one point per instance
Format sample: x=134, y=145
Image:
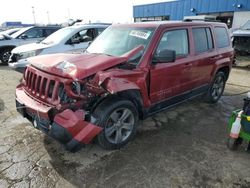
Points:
x=119, y=119
x=217, y=88
x=5, y=55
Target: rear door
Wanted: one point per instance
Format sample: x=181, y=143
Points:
x=205, y=56
x=172, y=78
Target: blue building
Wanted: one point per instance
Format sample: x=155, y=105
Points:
x=233, y=12
x=15, y=24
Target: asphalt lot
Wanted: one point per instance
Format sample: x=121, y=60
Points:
x=181, y=147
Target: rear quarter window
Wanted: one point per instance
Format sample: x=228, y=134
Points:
x=221, y=36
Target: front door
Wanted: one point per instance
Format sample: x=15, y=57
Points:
x=168, y=79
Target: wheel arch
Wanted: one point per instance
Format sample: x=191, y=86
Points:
x=132, y=95
x=7, y=46
x=225, y=70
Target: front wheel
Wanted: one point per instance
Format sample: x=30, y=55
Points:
x=217, y=88
x=119, y=119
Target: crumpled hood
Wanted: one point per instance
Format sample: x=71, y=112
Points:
x=86, y=64
x=29, y=47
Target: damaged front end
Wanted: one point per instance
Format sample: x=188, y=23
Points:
x=61, y=104
x=59, y=107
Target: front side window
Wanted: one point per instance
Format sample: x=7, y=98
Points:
x=85, y=35
x=202, y=39
x=176, y=40
x=222, y=39
x=58, y=36
x=100, y=30
x=34, y=33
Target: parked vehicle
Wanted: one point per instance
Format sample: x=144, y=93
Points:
x=128, y=73
x=7, y=34
x=241, y=39
x=21, y=37
x=68, y=39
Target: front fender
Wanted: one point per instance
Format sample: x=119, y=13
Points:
x=115, y=85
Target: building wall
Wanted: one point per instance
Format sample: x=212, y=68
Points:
x=176, y=10
x=240, y=18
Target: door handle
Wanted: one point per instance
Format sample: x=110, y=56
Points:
x=188, y=65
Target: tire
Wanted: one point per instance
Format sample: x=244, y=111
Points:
x=4, y=55
x=117, y=131
x=217, y=88
x=233, y=143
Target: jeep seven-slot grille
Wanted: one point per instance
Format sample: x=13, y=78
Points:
x=42, y=86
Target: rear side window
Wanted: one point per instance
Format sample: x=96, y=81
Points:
x=221, y=35
x=202, y=39
x=49, y=32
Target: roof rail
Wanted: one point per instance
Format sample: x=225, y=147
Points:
x=205, y=18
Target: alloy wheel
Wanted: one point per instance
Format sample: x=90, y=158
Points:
x=5, y=57
x=119, y=126
x=218, y=87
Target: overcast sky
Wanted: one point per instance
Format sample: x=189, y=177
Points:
x=58, y=11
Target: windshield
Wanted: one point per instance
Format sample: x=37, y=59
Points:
x=57, y=36
x=9, y=31
x=116, y=41
x=246, y=26
x=21, y=31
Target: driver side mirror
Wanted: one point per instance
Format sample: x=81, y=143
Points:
x=164, y=56
x=24, y=36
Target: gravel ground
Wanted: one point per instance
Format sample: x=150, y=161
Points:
x=182, y=147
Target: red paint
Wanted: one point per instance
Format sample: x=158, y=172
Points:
x=79, y=129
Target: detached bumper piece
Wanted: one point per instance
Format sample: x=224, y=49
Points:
x=70, y=129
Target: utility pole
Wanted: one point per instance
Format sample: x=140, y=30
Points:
x=48, y=17
x=68, y=13
x=33, y=12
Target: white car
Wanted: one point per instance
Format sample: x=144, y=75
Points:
x=21, y=37
x=68, y=39
x=6, y=34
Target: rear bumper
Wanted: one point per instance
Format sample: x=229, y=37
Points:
x=68, y=127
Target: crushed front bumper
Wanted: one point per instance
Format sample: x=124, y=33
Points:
x=68, y=127
x=19, y=66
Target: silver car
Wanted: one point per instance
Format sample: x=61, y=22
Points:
x=21, y=37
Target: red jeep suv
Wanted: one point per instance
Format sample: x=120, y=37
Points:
x=128, y=73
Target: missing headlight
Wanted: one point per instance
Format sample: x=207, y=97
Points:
x=77, y=87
